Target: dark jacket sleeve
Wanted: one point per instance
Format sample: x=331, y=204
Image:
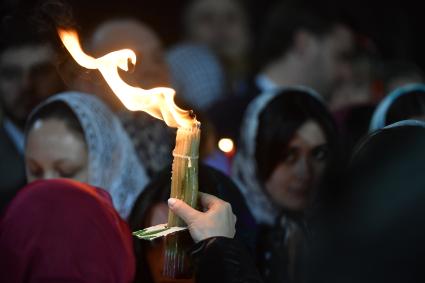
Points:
x=223, y=260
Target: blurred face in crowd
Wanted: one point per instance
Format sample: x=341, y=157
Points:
x=292, y=183
x=27, y=76
x=220, y=24
x=150, y=70
x=328, y=59
x=55, y=151
x=155, y=252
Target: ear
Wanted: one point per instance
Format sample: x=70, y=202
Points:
x=304, y=42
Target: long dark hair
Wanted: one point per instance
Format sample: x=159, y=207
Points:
x=279, y=121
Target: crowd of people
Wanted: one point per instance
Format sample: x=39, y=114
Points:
x=323, y=183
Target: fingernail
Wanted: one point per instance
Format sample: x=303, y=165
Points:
x=171, y=201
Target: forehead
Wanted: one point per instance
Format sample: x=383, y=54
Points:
x=309, y=134
x=341, y=38
x=215, y=6
x=115, y=36
x=51, y=139
x=26, y=56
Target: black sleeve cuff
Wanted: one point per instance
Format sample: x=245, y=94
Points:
x=225, y=260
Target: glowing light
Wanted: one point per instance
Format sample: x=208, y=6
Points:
x=226, y=145
x=158, y=102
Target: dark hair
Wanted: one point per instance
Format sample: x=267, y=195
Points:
x=188, y=6
x=18, y=32
x=406, y=106
x=212, y=182
x=35, y=24
x=354, y=124
x=279, y=121
x=57, y=110
x=400, y=69
x=286, y=19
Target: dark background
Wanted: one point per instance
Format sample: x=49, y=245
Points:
x=396, y=28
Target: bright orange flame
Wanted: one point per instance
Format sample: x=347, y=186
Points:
x=158, y=102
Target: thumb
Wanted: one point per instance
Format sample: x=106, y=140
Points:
x=183, y=210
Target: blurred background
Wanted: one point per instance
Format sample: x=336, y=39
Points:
x=395, y=27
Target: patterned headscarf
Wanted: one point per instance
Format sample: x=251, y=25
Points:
x=153, y=140
x=113, y=163
x=245, y=172
x=196, y=74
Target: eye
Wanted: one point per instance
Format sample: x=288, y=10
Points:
x=345, y=56
x=11, y=73
x=67, y=173
x=232, y=17
x=42, y=70
x=320, y=153
x=289, y=156
x=205, y=18
x=36, y=172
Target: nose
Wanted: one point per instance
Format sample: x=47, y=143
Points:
x=51, y=174
x=346, y=72
x=304, y=169
x=26, y=80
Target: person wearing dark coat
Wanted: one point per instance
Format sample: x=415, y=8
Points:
x=375, y=226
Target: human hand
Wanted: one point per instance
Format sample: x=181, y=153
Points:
x=217, y=220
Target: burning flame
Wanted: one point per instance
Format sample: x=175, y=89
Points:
x=158, y=102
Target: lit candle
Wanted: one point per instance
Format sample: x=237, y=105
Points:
x=184, y=185
x=158, y=102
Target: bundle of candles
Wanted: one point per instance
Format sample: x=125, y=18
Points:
x=158, y=102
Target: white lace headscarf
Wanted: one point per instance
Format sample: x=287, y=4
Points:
x=113, y=163
x=196, y=74
x=245, y=166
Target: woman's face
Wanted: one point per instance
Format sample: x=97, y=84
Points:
x=55, y=151
x=220, y=24
x=291, y=184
